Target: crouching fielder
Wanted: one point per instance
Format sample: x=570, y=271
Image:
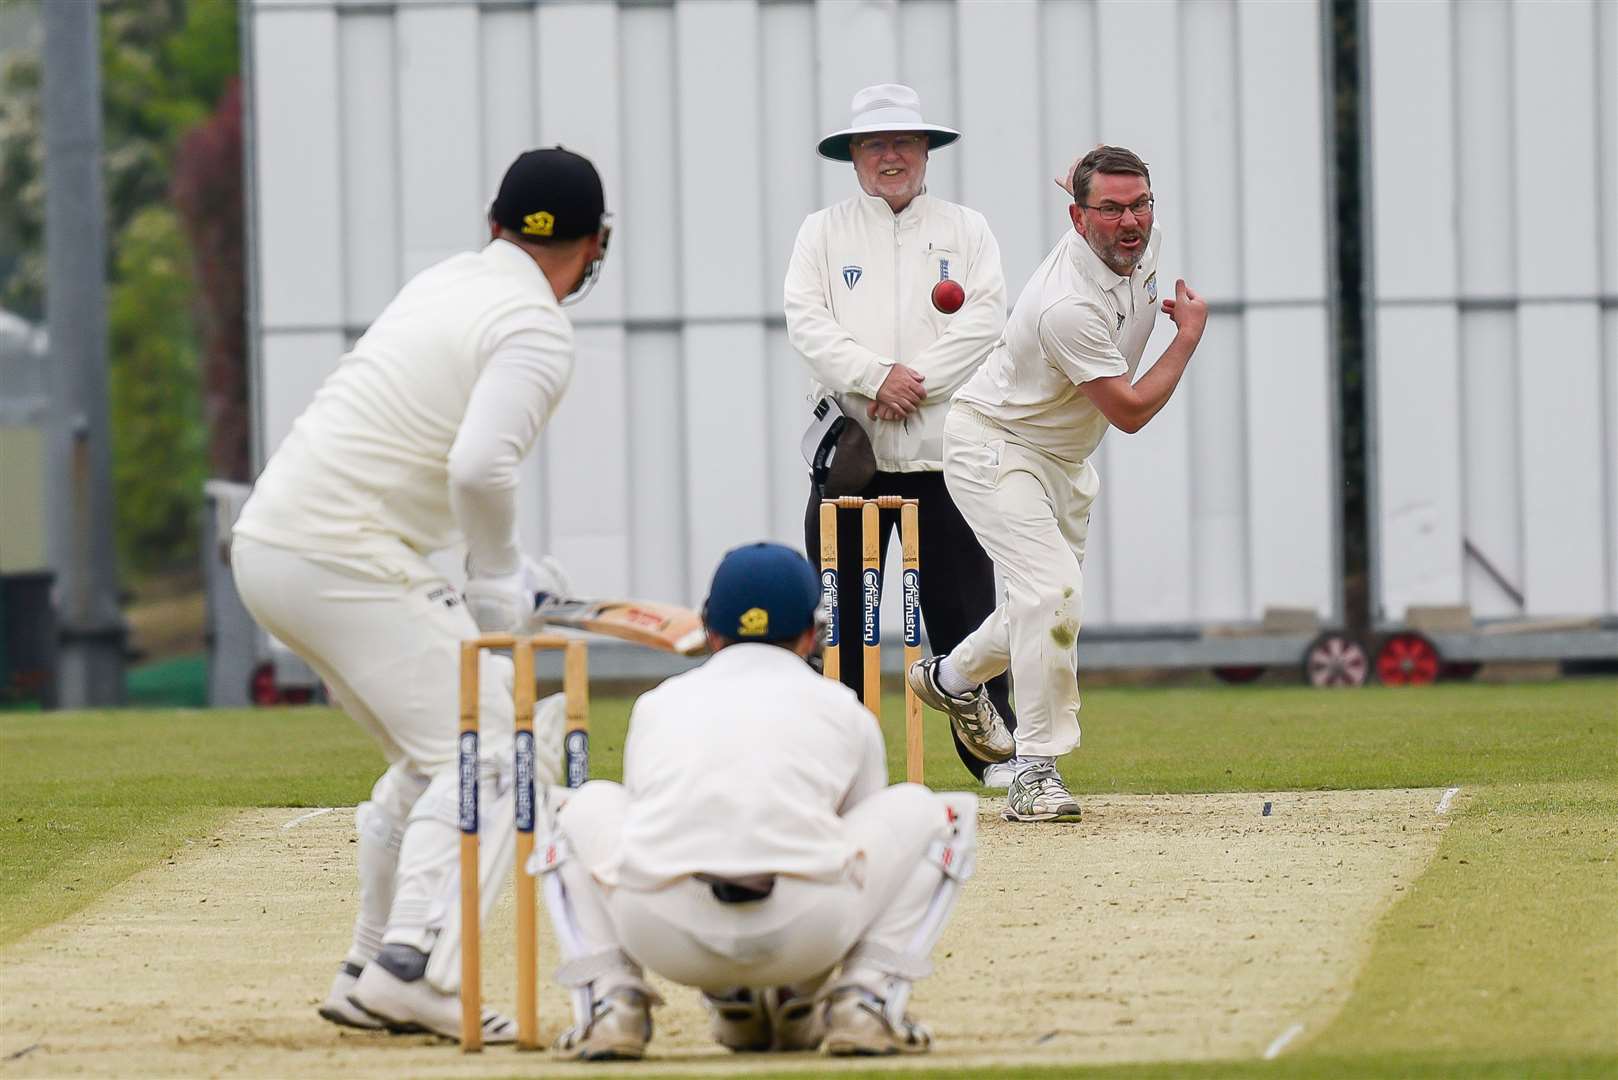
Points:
x=754, y=850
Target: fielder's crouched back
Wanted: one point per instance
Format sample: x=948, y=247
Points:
x=754, y=850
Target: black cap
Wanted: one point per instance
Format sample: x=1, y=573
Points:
x=550, y=194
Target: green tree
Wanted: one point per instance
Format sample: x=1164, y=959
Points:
x=167, y=66
x=158, y=438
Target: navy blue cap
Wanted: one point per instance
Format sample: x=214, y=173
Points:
x=762, y=592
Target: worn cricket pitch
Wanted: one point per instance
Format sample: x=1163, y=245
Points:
x=1164, y=927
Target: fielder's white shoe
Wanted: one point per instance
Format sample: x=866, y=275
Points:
x=410, y=1003
x=738, y=1020
x=1037, y=793
x=776, y=1018
x=857, y=1026
x=999, y=775
x=973, y=716
x=797, y=1021
x=338, y=1009
x=619, y=1027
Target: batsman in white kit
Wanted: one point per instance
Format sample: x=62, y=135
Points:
x=1017, y=446
x=754, y=850
x=412, y=444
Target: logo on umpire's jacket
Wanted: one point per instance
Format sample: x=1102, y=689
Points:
x=851, y=276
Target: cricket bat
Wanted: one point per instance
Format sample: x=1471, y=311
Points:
x=665, y=627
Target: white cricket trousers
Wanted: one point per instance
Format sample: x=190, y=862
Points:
x=797, y=935
x=384, y=635
x=1031, y=513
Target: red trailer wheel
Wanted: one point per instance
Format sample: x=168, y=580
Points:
x=261, y=688
x=1408, y=659
x=1336, y=660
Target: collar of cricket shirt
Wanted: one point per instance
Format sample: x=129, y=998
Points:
x=1090, y=264
x=514, y=260
x=757, y=654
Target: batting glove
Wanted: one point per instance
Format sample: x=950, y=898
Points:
x=498, y=603
x=545, y=576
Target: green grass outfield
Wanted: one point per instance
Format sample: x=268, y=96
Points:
x=1500, y=961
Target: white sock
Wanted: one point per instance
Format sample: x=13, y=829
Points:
x=951, y=681
x=1027, y=761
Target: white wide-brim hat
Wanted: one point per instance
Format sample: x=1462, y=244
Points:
x=888, y=107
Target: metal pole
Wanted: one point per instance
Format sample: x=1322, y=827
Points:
x=92, y=627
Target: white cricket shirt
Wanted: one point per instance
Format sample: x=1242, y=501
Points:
x=1075, y=321
x=416, y=437
x=858, y=298
x=743, y=766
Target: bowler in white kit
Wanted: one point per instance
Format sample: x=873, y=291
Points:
x=1017, y=446
x=754, y=850
x=411, y=445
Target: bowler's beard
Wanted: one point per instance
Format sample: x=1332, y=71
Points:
x=1119, y=261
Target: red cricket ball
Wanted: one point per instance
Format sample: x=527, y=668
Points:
x=948, y=296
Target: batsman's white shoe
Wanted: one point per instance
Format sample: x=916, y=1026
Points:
x=738, y=1020
x=976, y=721
x=339, y=1010
x=857, y=1026
x=797, y=1021
x=619, y=1028
x=1037, y=793
x=393, y=990
x=999, y=775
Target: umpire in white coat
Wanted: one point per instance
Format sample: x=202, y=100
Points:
x=754, y=847
x=412, y=444
x=859, y=310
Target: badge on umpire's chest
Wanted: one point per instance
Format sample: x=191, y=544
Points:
x=1151, y=288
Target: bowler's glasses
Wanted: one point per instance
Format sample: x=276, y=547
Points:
x=1111, y=211
x=903, y=144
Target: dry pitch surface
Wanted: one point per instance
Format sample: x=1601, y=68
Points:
x=1161, y=928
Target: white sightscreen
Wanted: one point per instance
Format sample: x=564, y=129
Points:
x=381, y=130
x=1494, y=165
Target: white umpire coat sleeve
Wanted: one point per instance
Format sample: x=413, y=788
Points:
x=838, y=361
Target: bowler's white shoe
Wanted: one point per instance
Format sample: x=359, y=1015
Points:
x=856, y=1025
x=339, y=1010
x=976, y=721
x=410, y=1003
x=999, y=775
x=1037, y=793
x=619, y=1027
